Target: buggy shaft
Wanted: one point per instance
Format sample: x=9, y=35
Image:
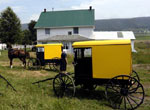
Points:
x=43, y=80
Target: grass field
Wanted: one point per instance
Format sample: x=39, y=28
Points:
x=34, y=97
x=143, y=37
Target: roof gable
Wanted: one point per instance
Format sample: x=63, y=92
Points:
x=70, y=18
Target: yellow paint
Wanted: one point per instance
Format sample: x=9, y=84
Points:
x=43, y=45
x=96, y=43
x=109, y=58
x=51, y=50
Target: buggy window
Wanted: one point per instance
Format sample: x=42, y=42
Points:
x=82, y=53
x=40, y=49
x=87, y=52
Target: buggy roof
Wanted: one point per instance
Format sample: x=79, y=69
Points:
x=43, y=45
x=102, y=42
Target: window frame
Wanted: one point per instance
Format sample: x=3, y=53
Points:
x=47, y=31
x=76, y=30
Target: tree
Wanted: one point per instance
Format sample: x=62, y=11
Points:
x=32, y=30
x=10, y=30
x=26, y=37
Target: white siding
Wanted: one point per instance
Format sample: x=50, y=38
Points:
x=109, y=35
x=83, y=31
x=86, y=32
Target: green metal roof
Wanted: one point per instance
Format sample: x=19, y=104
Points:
x=70, y=18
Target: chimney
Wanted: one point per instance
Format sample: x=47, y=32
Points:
x=90, y=8
x=52, y=9
x=44, y=10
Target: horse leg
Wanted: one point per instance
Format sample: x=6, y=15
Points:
x=11, y=66
x=23, y=61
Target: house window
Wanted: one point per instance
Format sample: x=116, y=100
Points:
x=75, y=30
x=69, y=33
x=47, y=31
x=120, y=35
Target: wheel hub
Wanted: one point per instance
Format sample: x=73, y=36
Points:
x=124, y=91
x=63, y=85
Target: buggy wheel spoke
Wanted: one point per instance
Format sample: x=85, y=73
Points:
x=120, y=102
x=129, y=102
x=130, y=90
x=133, y=100
x=113, y=89
x=66, y=85
x=117, y=98
x=135, y=97
x=125, y=103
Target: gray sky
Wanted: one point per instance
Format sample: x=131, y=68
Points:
x=104, y=9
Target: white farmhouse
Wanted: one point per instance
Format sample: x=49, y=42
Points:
x=65, y=26
x=73, y=25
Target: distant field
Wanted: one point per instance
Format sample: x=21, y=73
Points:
x=34, y=97
x=143, y=52
x=143, y=37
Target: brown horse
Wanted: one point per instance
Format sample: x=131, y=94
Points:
x=15, y=53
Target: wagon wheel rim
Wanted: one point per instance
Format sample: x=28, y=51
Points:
x=49, y=64
x=63, y=85
x=135, y=75
x=56, y=65
x=122, y=95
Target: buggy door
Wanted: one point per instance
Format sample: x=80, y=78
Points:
x=40, y=55
x=83, y=64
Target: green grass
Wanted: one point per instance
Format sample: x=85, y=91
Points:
x=42, y=97
x=34, y=97
x=142, y=37
x=143, y=52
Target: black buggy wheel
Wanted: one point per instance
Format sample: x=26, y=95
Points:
x=55, y=65
x=63, y=85
x=34, y=64
x=135, y=75
x=50, y=66
x=124, y=92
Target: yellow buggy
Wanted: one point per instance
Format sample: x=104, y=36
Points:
x=107, y=63
x=45, y=54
